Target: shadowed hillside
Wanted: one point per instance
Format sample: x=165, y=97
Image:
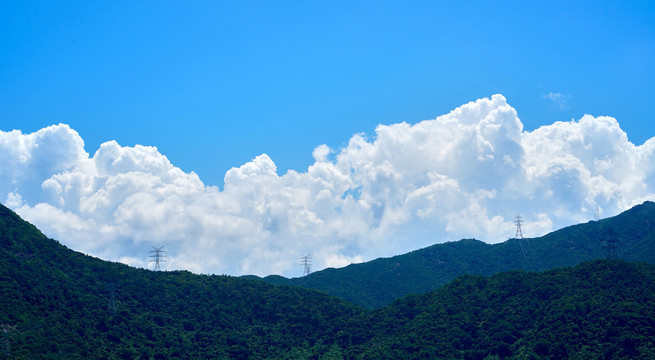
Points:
x=377, y=283
x=569, y=313
x=62, y=306
x=59, y=304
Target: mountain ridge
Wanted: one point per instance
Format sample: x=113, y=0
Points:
x=56, y=303
x=378, y=282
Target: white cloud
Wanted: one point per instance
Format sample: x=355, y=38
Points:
x=463, y=174
x=321, y=153
x=559, y=99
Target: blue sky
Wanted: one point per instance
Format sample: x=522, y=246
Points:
x=181, y=123
x=214, y=84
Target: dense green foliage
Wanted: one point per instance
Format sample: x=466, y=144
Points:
x=379, y=282
x=58, y=304
x=598, y=310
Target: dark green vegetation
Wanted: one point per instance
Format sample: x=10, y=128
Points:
x=603, y=309
x=379, y=282
x=58, y=304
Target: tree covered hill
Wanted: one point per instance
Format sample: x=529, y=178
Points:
x=379, y=282
x=602, y=309
x=65, y=305
x=59, y=304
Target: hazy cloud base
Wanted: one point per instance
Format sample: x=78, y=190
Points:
x=464, y=174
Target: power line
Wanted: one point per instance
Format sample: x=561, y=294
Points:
x=158, y=255
x=526, y=248
x=519, y=237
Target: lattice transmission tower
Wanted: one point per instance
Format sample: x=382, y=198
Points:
x=526, y=248
x=306, y=262
x=158, y=255
x=518, y=222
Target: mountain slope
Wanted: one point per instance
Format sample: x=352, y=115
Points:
x=65, y=305
x=569, y=313
x=377, y=283
x=59, y=304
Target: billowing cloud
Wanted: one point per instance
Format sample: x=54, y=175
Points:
x=464, y=174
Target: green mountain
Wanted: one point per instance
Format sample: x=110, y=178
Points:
x=379, y=282
x=603, y=309
x=65, y=305
x=56, y=303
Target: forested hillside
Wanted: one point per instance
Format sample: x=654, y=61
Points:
x=379, y=282
x=59, y=304
x=597, y=310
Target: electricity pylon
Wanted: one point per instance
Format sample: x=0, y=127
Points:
x=306, y=262
x=526, y=248
x=158, y=255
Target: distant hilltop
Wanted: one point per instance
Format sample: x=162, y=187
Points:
x=379, y=282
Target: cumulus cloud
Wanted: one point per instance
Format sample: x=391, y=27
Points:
x=464, y=174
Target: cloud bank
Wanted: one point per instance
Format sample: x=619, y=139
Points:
x=464, y=174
